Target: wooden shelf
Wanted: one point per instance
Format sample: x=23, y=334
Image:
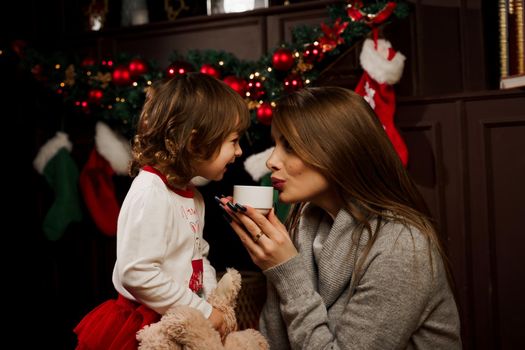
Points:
x=199, y=20
x=248, y=35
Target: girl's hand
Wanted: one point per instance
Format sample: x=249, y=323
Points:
x=265, y=238
x=217, y=320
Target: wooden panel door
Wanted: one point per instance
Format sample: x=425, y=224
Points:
x=496, y=138
x=467, y=157
x=433, y=131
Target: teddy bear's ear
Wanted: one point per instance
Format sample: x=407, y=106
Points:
x=229, y=285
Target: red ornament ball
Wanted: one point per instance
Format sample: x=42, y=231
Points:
x=210, y=70
x=293, y=82
x=179, y=68
x=95, y=95
x=137, y=67
x=38, y=71
x=236, y=83
x=255, y=89
x=121, y=76
x=83, y=104
x=312, y=53
x=87, y=62
x=264, y=113
x=283, y=59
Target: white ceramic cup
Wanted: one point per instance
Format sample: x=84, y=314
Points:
x=258, y=197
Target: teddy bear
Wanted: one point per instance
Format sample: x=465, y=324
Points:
x=185, y=328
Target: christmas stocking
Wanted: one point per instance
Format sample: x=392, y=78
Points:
x=255, y=165
x=55, y=163
x=110, y=156
x=382, y=68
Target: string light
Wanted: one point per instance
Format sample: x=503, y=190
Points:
x=264, y=85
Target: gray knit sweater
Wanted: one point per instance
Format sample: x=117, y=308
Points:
x=401, y=301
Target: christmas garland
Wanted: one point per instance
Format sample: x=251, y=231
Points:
x=113, y=90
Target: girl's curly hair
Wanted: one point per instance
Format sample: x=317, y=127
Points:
x=185, y=119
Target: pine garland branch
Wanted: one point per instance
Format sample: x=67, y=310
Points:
x=113, y=91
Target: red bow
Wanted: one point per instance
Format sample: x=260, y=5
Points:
x=354, y=12
x=332, y=36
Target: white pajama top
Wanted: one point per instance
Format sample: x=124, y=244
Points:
x=161, y=252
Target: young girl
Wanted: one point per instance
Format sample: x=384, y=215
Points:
x=190, y=126
x=360, y=265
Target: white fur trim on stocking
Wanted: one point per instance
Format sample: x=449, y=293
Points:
x=255, y=164
x=50, y=149
x=376, y=62
x=113, y=147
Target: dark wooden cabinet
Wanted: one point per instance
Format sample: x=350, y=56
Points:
x=466, y=156
x=247, y=35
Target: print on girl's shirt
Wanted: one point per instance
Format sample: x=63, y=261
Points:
x=194, y=227
x=191, y=216
x=196, y=281
x=188, y=212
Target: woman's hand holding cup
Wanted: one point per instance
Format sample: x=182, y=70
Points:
x=253, y=219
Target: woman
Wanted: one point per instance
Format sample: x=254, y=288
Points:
x=359, y=264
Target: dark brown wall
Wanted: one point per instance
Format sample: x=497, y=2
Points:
x=247, y=35
x=466, y=156
x=496, y=134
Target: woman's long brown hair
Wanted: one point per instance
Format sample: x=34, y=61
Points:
x=335, y=131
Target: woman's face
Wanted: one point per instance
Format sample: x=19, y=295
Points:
x=295, y=180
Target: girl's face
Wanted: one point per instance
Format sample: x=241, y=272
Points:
x=295, y=180
x=215, y=167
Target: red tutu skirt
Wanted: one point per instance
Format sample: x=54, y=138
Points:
x=113, y=325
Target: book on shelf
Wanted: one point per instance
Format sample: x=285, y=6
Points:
x=512, y=81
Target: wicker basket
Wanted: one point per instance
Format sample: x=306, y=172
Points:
x=251, y=299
